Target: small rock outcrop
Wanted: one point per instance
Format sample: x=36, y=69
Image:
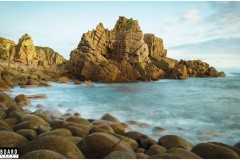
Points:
x=23, y=63
x=27, y=53
x=126, y=54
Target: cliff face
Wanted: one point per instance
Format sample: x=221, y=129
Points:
x=125, y=54
x=25, y=52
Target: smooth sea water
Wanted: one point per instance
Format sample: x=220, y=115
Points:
x=198, y=109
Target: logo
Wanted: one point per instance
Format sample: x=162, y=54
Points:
x=9, y=153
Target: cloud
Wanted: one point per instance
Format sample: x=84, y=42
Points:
x=224, y=21
x=215, y=46
x=192, y=15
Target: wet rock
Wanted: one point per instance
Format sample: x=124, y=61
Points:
x=237, y=145
x=14, y=108
x=43, y=129
x=16, y=114
x=77, y=131
x=32, y=82
x=209, y=151
x=101, y=128
x=22, y=100
x=164, y=156
x=235, y=149
x=33, y=118
x=43, y=154
x=57, y=132
x=143, y=125
x=140, y=150
x=120, y=155
x=3, y=114
x=79, y=120
x=133, y=134
x=74, y=139
x=53, y=113
x=99, y=145
x=56, y=123
x=11, y=121
x=173, y=141
x=141, y=156
x=30, y=134
x=4, y=126
x=158, y=129
x=132, y=143
x=26, y=125
x=43, y=84
x=155, y=149
x=54, y=143
x=43, y=116
x=42, y=96
x=63, y=80
x=184, y=154
x=145, y=141
x=77, y=114
x=11, y=139
x=109, y=117
x=77, y=82
x=117, y=128
x=6, y=100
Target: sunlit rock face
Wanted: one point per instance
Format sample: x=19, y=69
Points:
x=25, y=52
x=126, y=54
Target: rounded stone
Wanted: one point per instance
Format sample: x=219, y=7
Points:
x=22, y=100
x=43, y=116
x=26, y=125
x=11, y=139
x=53, y=143
x=101, y=128
x=11, y=121
x=57, y=132
x=4, y=126
x=164, y=156
x=79, y=120
x=33, y=118
x=30, y=134
x=174, y=141
x=184, y=154
x=209, y=151
x=99, y=145
x=43, y=154
x=141, y=156
x=109, y=117
x=145, y=141
x=77, y=131
x=120, y=155
x=133, y=134
x=155, y=149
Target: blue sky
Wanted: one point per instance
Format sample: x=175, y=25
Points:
x=190, y=30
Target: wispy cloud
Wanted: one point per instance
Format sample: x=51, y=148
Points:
x=191, y=15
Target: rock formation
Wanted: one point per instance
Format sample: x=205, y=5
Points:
x=27, y=53
x=22, y=62
x=125, y=54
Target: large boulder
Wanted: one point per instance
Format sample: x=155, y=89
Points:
x=11, y=139
x=184, y=154
x=22, y=100
x=99, y=145
x=214, y=151
x=43, y=154
x=53, y=143
x=174, y=141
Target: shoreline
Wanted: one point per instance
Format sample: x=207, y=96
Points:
x=36, y=127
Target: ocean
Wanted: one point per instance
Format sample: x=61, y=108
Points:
x=198, y=109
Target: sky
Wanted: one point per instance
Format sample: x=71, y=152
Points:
x=191, y=30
